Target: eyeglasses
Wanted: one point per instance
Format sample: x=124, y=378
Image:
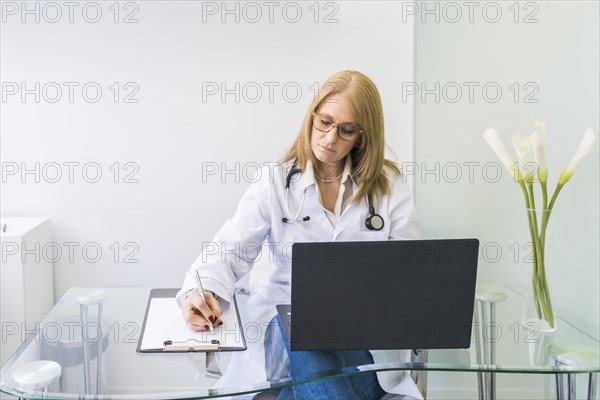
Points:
x=346, y=131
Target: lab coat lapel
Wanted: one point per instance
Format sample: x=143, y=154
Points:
x=319, y=220
x=348, y=220
x=312, y=207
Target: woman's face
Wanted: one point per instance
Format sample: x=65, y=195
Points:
x=327, y=146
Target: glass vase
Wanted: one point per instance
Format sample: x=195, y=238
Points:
x=537, y=332
x=537, y=319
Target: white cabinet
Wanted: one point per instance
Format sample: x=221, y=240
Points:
x=26, y=279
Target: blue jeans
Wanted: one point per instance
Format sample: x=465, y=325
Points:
x=304, y=365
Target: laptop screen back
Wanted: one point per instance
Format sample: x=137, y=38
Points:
x=410, y=294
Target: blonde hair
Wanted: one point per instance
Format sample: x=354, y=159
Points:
x=368, y=154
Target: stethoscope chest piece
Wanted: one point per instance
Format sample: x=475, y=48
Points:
x=374, y=222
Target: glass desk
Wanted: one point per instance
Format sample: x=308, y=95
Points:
x=121, y=373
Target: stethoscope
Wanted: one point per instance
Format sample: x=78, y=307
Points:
x=373, y=223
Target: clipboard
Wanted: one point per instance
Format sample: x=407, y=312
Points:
x=165, y=331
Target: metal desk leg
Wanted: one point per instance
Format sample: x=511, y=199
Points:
x=560, y=394
x=86, y=354
x=574, y=355
x=593, y=382
x=420, y=377
x=212, y=365
x=95, y=299
x=571, y=385
x=100, y=351
x=493, y=350
x=478, y=332
x=487, y=377
x=485, y=295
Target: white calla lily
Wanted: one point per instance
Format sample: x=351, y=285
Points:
x=587, y=144
x=492, y=138
x=529, y=147
x=522, y=144
x=538, y=143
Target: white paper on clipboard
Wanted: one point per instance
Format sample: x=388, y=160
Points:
x=164, y=322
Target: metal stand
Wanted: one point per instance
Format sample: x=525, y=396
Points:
x=94, y=299
x=486, y=299
x=574, y=355
x=420, y=377
x=212, y=365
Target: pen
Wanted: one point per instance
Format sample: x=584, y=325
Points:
x=201, y=291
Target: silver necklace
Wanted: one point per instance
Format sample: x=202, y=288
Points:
x=329, y=180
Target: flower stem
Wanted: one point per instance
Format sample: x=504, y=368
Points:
x=547, y=211
x=543, y=294
x=559, y=186
x=545, y=216
x=534, y=276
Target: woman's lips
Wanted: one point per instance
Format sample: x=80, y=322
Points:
x=327, y=150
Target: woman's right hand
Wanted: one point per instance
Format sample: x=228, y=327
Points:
x=196, y=312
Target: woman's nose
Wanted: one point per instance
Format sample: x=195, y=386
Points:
x=331, y=136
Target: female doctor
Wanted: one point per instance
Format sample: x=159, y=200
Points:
x=333, y=184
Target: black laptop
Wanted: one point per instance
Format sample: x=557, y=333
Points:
x=405, y=294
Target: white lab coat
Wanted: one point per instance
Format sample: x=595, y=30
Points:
x=257, y=219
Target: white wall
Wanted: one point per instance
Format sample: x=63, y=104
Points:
x=164, y=203
x=171, y=134
x=558, y=57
